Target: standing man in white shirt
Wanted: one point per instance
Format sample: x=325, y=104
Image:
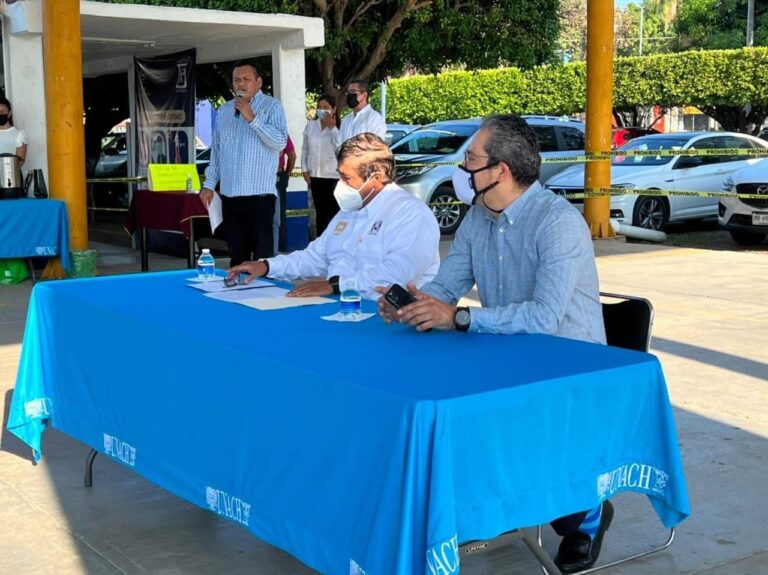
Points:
x=363, y=118
x=382, y=235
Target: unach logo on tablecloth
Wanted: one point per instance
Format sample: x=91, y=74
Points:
x=222, y=503
x=46, y=250
x=120, y=450
x=355, y=569
x=443, y=558
x=38, y=408
x=633, y=476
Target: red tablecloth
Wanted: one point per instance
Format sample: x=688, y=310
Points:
x=164, y=211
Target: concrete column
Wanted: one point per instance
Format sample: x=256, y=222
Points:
x=597, y=175
x=64, y=99
x=289, y=83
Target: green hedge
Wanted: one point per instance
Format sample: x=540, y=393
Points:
x=702, y=78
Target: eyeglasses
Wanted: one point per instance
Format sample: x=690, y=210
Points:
x=355, y=92
x=470, y=156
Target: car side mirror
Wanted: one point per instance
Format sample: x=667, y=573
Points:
x=689, y=162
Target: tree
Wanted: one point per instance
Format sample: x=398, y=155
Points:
x=373, y=39
x=720, y=24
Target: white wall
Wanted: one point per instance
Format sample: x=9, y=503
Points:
x=24, y=79
x=289, y=85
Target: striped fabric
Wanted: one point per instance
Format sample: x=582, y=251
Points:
x=244, y=156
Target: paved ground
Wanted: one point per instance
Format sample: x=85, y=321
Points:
x=711, y=333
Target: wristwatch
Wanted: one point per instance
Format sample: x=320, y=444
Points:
x=334, y=281
x=462, y=319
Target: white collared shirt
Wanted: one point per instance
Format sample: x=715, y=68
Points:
x=366, y=120
x=394, y=239
x=318, y=154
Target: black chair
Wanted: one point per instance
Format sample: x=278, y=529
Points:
x=628, y=322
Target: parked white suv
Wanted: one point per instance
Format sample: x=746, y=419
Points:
x=746, y=218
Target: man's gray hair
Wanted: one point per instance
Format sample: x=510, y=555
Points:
x=512, y=141
x=373, y=152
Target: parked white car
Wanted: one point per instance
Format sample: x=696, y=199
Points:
x=674, y=173
x=746, y=218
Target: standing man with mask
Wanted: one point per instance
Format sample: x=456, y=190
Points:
x=530, y=253
x=382, y=235
x=363, y=118
x=250, y=134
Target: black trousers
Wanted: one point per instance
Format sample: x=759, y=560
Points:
x=326, y=205
x=569, y=524
x=249, y=227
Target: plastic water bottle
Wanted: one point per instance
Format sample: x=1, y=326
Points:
x=206, y=266
x=350, y=298
x=189, y=184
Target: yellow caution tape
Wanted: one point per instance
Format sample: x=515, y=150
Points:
x=602, y=192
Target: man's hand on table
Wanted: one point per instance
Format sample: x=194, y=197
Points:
x=424, y=314
x=252, y=269
x=313, y=288
x=206, y=195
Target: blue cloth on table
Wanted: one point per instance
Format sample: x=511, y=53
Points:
x=34, y=228
x=358, y=448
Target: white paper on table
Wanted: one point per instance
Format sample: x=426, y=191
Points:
x=350, y=318
x=237, y=296
x=280, y=302
x=217, y=285
x=215, y=214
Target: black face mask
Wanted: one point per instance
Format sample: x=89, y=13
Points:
x=472, y=183
x=3, y=119
x=352, y=100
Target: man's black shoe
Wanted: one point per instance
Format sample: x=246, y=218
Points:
x=578, y=551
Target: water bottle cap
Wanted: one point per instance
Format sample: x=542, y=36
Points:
x=206, y=251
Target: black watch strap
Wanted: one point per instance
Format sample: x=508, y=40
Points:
x=334, y=281
x=266, y=263
x=462, y=319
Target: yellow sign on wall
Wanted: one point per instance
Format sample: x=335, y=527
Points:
x=172, y=177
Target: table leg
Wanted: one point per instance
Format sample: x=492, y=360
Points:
x=88, y=481
x=144, y=250
x=31, y=267
x=191, y=254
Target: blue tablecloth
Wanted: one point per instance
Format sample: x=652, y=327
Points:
x=34, y=228
x=358, y=448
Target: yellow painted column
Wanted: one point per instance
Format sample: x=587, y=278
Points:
x=64, y=117
x=597, y=210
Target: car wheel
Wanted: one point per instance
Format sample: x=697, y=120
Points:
x=747, y=238
x=448, y=210
x=651, y=213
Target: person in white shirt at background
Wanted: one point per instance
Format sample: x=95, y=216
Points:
x=318, y=160
x=12, y=140
x=363, y=118
x=382, y=235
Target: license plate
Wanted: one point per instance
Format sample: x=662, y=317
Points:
x=759, y=219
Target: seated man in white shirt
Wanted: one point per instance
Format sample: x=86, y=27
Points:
x=363, y=118
x=383, y=235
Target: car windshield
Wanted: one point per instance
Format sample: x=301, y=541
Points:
x=438, y=140
x=649, y=144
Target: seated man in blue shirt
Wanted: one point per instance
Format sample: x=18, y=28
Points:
x=530, y=253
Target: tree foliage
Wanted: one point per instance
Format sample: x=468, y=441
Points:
x=373, y=39
x=717, y=82
x=720, y=24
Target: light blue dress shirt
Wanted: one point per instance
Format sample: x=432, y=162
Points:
x=534, y=266
x=244, y=156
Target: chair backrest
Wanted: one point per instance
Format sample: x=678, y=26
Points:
x=628, y=322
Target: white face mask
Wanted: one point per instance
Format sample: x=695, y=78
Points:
x=349, y=198
x=321, y=114
x=463, y=187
